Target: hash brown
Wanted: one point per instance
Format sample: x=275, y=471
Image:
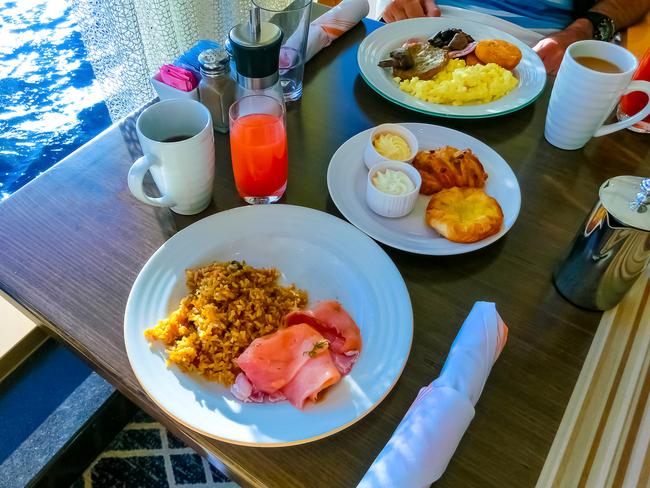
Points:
x=499, y=52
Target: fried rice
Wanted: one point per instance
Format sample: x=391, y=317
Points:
x=228, y=306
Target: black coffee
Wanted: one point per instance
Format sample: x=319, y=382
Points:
x=176, y=138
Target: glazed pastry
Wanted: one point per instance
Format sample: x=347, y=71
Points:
x=446, y=167
x=464, y=215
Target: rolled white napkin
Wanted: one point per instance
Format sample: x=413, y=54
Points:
x=334, y=23
x=425, y=440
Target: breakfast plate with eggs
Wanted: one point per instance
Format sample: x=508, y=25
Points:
x=424, y=189
x=458, y=69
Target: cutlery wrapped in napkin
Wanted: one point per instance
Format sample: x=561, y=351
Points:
x=422, y=445
x=334, y=23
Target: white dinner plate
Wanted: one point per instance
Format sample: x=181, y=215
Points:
x=319, y=253
x=530, y=71
x=347, y=178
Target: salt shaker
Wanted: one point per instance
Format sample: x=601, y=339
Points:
x=255, y=47
x=611, y=249
x=217, y=89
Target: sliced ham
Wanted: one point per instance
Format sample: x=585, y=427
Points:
x=270, y=362
x=244, y=391
x=297, y=362
x=333, y=322
x=317, y=374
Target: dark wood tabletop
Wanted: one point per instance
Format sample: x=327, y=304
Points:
x=73, y=241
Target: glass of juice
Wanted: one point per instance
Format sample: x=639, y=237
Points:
x=633, y=103
x=258, y=147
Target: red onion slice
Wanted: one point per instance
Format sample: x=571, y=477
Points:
x=463, y=52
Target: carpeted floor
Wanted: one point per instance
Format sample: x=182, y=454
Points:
x=145, y=455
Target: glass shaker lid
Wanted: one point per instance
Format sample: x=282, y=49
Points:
x=214, y=59
x=627, y=198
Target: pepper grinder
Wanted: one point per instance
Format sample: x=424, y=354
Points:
x=611, y=249
x=255, y=47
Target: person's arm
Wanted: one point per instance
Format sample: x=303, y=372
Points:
x=623, y=12
x=408, y=9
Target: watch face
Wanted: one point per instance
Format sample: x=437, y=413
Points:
x=604, y=28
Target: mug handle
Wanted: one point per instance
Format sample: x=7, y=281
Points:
x=636, y=85
x=136, y=178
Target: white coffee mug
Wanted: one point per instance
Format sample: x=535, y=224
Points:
x=583, y=98
x=178, y=146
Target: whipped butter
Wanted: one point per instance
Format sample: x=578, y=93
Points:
x=392, y=146
x=393, y=182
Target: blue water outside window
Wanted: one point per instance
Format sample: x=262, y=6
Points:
x=50, y=103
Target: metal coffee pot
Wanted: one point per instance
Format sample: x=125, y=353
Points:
x=611, y=249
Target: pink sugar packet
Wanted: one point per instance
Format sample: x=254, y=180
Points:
x=178, y=78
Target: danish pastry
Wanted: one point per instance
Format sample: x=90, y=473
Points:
x=498, y=52
x=464, y=215
x=446, y=167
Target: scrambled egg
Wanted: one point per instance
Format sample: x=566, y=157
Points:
x=459, y=84
x=392, y=146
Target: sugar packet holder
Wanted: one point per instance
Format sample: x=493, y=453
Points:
x=179, y=77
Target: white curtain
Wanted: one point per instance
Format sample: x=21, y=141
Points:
x=128, y=40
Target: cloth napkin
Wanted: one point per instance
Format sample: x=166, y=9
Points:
x=422, y=445
x=332, y=24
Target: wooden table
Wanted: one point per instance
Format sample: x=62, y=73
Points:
x=73, y=241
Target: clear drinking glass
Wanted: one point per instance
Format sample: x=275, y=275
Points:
x=258, y=148
x=292, y=16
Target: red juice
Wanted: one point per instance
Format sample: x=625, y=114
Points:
x=632, y=103
x=258, y=146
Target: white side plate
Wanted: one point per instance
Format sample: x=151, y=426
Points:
x=346, y=181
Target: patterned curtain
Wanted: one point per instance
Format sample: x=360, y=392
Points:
x=128, y=40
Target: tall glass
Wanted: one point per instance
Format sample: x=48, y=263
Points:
x=633, y=103
x=292, y=16
x=258, y=148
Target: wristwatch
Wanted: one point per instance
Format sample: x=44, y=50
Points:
x=604, y=27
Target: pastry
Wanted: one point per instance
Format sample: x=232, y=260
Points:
x=498, y=52
x=446, y=167
x=464, y=214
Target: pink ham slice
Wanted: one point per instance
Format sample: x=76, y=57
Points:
x=270, y=362
x=279, y=366
x=335, y=324
x=243, y=390
x=317, y=374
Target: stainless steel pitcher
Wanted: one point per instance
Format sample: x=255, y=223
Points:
x=611, y=249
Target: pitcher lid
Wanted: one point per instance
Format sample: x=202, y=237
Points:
x=627, y=198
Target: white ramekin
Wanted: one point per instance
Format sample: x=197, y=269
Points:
x=372, y=157
x=388, y=205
